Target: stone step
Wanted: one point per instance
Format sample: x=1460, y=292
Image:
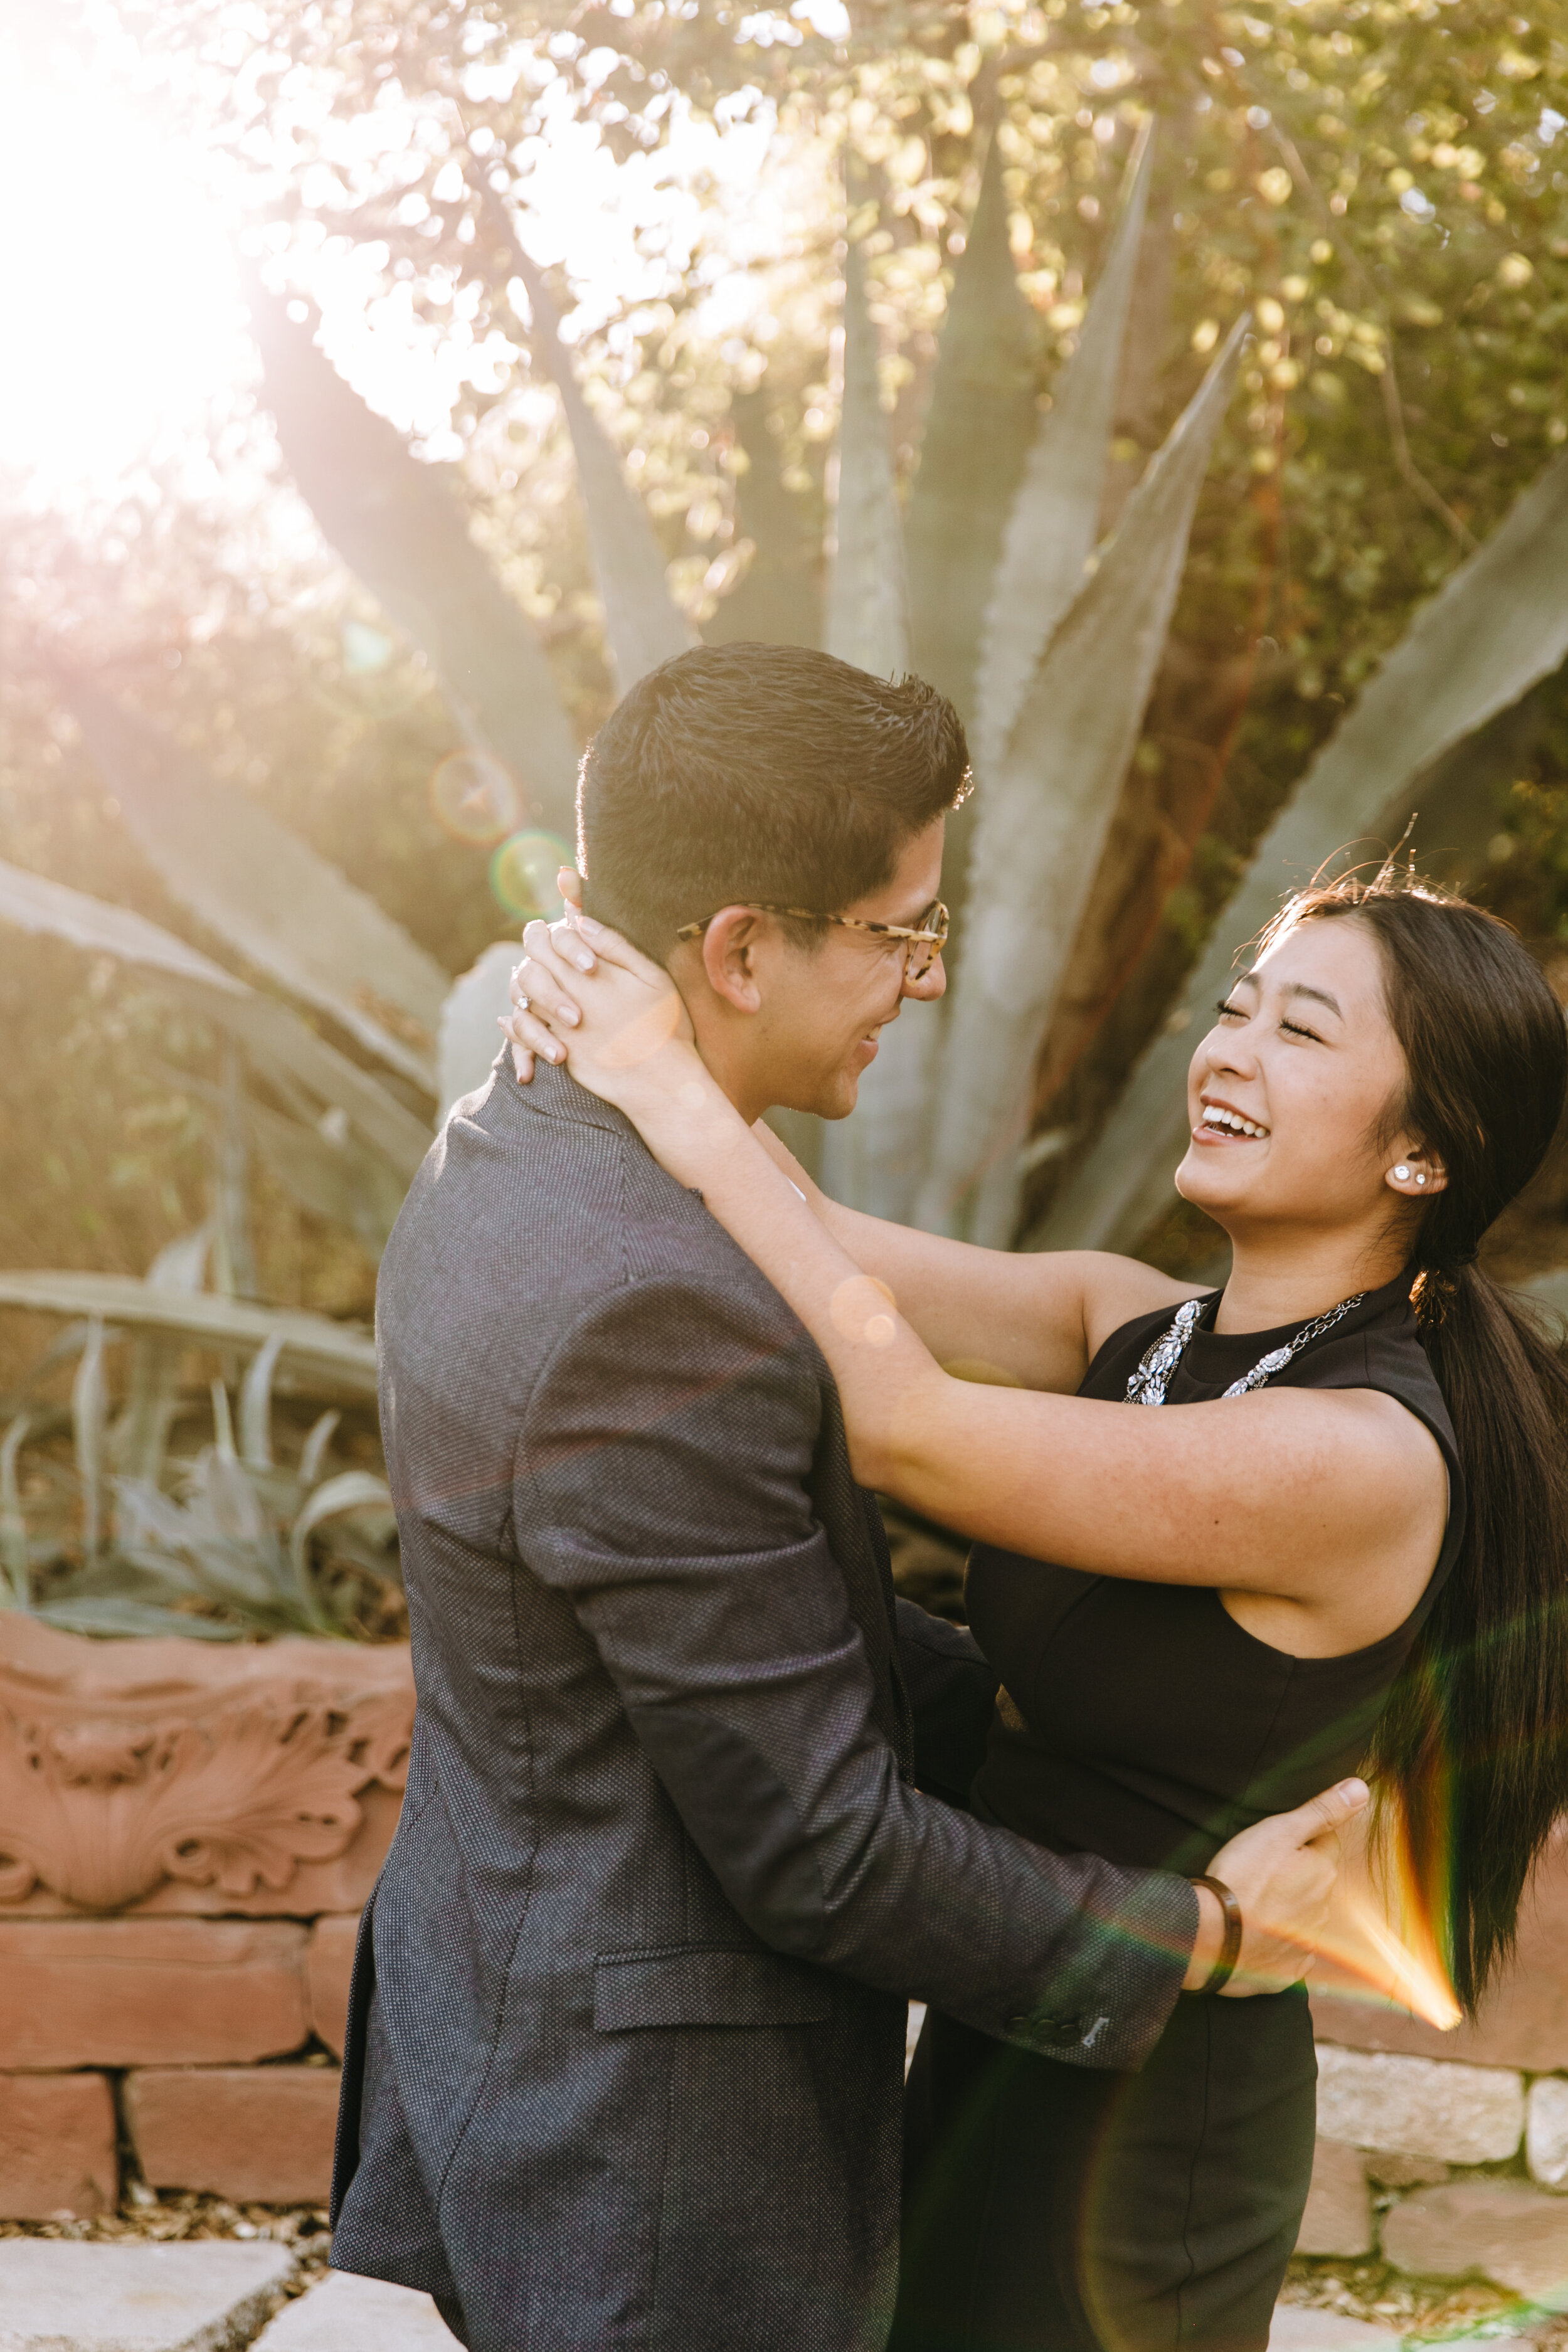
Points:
x=1299, y=2328
x=345, y=2313
x=209, y=2296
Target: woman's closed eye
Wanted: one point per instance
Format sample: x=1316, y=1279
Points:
x=1228, y=1012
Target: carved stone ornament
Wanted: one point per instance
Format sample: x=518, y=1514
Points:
x=127, y=1763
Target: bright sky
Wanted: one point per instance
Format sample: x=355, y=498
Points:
x=126, y=325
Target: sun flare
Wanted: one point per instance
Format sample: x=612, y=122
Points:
x=122, y=297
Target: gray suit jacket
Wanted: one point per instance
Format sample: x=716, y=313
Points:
x=628, y=2022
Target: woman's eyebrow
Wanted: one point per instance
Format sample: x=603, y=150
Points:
x=1318, y=995
x=1293, y=987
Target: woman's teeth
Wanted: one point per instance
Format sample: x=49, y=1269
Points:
x=1230, y=1122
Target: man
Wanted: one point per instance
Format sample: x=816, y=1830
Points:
x=628, y=2014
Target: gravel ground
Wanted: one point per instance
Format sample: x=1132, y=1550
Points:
x=1430, y=2309
x=1369, y=2290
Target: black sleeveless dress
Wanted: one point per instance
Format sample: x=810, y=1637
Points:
x=1051, y=2209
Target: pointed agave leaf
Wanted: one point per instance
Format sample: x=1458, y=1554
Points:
x=256, y=1406
x=105, y=1616
x=13, y=1523
x=89, y=1421
x=871, y=1160
x=642, y=622
x=141, y=1435
x=395, y=523
x=257, y=885
x=1051, y=530
x=1043, y=823
x=333, y=1177
x=468, y=1039
x=277, y=1039
x=352, y=1490
x=868, y=618
x=1498, y=624
x=316, y=1352
x=976, y=438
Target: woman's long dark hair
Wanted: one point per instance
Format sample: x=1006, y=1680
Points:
x=1474, y=1741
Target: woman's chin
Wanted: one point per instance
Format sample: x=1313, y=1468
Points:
x=1202, y=1183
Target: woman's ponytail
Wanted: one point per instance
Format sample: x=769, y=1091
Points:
x=1473, y=1743
x=1475, y=1735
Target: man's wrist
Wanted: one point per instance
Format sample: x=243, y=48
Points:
x=1207, y=1944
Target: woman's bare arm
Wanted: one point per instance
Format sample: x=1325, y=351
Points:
x=1030, y=1320
x=1331, y=1502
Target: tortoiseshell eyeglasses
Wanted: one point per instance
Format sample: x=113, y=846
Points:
x=922, y=943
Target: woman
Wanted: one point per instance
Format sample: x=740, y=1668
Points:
x=1353, y=1544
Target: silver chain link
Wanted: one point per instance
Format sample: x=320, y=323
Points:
x=1152, y=1378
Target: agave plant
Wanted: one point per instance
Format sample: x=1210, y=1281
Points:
x=987, y=577
x=129, y=1536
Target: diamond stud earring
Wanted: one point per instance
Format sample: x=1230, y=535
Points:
x=1421, y=1180
x=1402, y=1174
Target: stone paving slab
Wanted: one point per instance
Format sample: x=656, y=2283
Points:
x=345, y=2313
x=207, y=2296
x=1299, y=2328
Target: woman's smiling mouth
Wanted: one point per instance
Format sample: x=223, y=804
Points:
x=1222, y=1123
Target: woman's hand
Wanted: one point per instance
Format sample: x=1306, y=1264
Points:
x=584, y=997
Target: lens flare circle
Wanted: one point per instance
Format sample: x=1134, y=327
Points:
x=474, y=799
x=523, y=870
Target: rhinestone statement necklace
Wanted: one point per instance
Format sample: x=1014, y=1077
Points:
x=1152, y=1377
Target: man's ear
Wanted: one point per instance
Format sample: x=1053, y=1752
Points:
x=729, y=947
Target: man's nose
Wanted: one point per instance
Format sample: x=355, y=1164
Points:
x=932, y=983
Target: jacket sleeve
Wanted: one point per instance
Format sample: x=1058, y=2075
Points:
x=660, y=1483
x=953, y=1693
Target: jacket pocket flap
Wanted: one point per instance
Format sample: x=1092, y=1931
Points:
x=716, y=1987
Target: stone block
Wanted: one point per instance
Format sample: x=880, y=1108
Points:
x=201, y=2297
x=1523, y=2024
x=329, y=1965
x=1338, y=2219
x=1546, y=2131
x=1512, y=2234
x=196, y=1776
x=57, y=2147
x=1461, y=2114
x=1298, y=2327
x=139, y=1992
x=257, y=2134
x=346, y=2313
x=1392, y=2169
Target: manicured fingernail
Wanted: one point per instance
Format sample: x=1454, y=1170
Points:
x=586, y=923
x=569, y=1013
x=557, y=1053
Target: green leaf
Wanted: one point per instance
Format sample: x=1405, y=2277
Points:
x=395, y=522
x=281, y=1044
x=333, y=1176
x=13, y=1522
x=868, y=618
x=976, y=438
x=353, y=1490
x=1043, y=822
x=140, y=1437
x=317, y=1353
x=89, y=1421
x=113, y=1619
x=1051, y=528
x=267, y=893
x=643, y=623
x=470, y=1040
x=1498, y=624
x=871, y=1159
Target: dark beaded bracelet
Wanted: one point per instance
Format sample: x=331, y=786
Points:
x=1230, y=1950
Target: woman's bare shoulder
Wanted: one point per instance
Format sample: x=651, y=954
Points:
x=1118, y=1289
